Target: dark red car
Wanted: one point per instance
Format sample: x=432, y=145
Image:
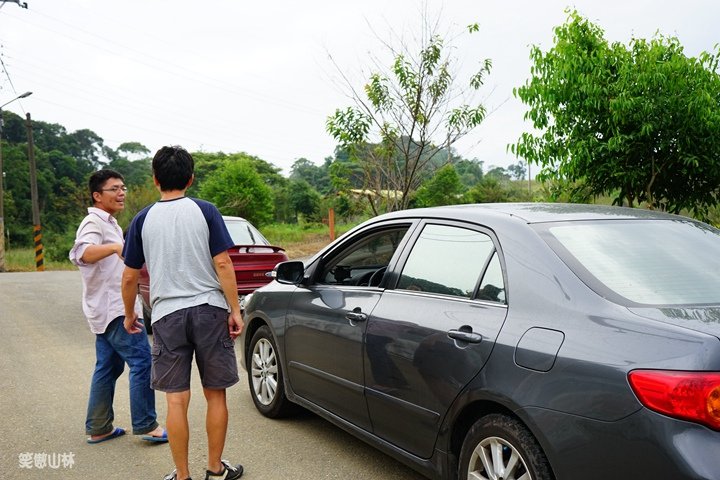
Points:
x=252, y=256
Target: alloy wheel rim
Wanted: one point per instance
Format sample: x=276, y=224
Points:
x=264, y=372
x=496, y=459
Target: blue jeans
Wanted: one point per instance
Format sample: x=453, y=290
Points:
x=113, y=349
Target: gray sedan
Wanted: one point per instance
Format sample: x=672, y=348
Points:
x=505, y=341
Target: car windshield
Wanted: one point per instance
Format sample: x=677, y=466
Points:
x=243, y=233
x=658, y=262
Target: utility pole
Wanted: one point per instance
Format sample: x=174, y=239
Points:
x=37, y=230
x=529, y=184
x=2, y=202
x=2, y=187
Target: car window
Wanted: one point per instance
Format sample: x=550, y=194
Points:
x=364, y=262
x=659, y=262
x=447, y=260
x=243, y=233
x=492, y=287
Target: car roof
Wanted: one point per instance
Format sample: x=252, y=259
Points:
x=233, y=219
x=533, y=212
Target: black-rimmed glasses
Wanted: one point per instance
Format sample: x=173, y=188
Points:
x=114, y=189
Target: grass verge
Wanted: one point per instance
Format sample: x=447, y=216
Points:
x=23, y=260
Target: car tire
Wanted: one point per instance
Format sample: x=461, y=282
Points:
x=265, y=376
x=499, y=446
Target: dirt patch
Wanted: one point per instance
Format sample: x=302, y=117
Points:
x=305, y=249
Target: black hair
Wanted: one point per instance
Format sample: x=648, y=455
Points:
x=173, y=168
x=98, y=179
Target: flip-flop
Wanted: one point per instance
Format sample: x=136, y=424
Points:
x=118, y=432
x=161, y=439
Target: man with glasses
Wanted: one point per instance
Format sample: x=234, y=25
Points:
x=98, y=254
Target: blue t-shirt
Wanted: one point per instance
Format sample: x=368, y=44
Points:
x=178, y=239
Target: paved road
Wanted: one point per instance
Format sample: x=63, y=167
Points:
x=46, y=360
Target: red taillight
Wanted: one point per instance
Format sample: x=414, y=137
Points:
x=693, y=396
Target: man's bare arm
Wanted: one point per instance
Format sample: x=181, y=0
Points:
x=226, y=275
x=95, y=253
x=129, y=288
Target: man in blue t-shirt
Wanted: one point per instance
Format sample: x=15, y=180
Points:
x=184, y=243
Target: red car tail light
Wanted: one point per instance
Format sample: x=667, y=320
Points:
x=693, y=396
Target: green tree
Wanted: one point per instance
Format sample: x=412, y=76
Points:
x=138, y=197
x=406, y=117
x=136, y=172
x=206, y=164
x=517, y=171
x=18, y=209
x=469, y=171
x=495, y=188
x=132, y=160
x=304, y=200
x=317, y=176
x=638, y=122
x=86, y=146
x=283, y=209
x=136, y=149
x=444, y=188
x=236, y=188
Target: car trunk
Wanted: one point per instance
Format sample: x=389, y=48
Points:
x=252, y=263
x=701, y=319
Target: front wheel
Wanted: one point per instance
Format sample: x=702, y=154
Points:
x=265, y=376
x=500, y=447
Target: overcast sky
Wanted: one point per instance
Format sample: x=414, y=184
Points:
x=232, y=75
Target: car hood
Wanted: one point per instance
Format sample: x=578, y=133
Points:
x=701, y=319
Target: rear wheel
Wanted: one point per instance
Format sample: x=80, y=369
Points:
x=265, y=376
x=499, y=447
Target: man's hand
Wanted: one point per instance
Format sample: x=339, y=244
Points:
x=235, y=324
x=119, y=250
x=133, y=324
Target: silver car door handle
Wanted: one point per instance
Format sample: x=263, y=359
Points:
x=356, y=316
x=469, y=337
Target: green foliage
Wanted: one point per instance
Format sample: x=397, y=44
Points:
x=285, y=233
x=57, y=245
x=136, y=172
x=469, y=171
x=63, y=163
x=304, y=199
x=517, y=171
x=283, y=210
x=444, y=188
x=495, y=188
x=65, y=160
x=236, y=188
x=498, y=173
x=638, y=121
x=138, y=197
x=133, y=148
x=206, y=164
x=402, y=130
x=317, y=176
x=23, y=260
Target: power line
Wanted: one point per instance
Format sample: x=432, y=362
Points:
x=150, y=61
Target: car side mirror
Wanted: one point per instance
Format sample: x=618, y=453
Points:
x=290, y=273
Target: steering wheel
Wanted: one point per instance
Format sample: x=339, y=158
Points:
x=377, y=277
x=364, y=279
